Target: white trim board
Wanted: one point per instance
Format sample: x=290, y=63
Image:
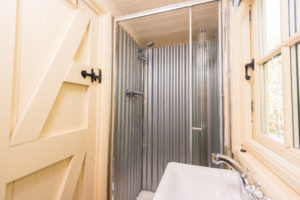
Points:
x=163, y=9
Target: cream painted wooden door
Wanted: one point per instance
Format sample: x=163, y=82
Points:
x=48, y=111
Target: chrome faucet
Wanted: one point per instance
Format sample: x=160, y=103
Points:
x=253, y=190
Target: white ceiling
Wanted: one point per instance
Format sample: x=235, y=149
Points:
x=173, y=27
x=125, y=7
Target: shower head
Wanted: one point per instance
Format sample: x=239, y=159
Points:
x=142, y=52
x=150, y=44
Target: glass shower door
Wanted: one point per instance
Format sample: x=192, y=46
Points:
x=205, y=84
x=160, y=94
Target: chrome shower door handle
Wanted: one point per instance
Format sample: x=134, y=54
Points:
x=196, y=129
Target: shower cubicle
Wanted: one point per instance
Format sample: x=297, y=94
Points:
x=167, y=93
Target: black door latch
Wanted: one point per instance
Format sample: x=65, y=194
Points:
x=93, y=76
x=247, y=66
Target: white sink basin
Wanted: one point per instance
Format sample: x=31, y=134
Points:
x=189, y=182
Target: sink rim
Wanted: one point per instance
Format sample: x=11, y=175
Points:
x=170, y=181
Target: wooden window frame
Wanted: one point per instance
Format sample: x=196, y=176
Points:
x=282, y=159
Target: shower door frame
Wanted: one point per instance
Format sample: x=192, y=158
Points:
x=168, y=8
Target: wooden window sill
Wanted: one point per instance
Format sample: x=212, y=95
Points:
x=272, y=185
x=284, y=170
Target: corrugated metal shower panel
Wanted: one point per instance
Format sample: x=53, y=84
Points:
x=213, y=99
x=205, y=102
x=166, y=114
x=199, y=114
x=152, y=131
x=166, y=128
x=129, y=120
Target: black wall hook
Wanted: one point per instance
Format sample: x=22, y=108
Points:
x=247, y=66
x=93, y=76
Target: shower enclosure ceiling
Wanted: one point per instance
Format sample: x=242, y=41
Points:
x=167, y=96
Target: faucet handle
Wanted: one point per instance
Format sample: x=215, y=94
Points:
x=244, y=176
x=258, y=194
x=266, y=198
x=257, y=184
x=246, y=171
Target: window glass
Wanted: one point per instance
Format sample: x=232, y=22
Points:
x=272, y=99
x=294, y=12
x=269, y=25
x=295, y=78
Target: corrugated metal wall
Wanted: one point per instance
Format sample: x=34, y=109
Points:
x=205, y=102
x=129, y=120
x=166, y=117
x=213, y=100
x=199, y=85
x=152, y=131
x=166, y=129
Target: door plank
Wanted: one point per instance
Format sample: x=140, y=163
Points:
x=70, y=179
x=8, y=20
x=74, y=74
x=28, y=158
x=40, y=103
